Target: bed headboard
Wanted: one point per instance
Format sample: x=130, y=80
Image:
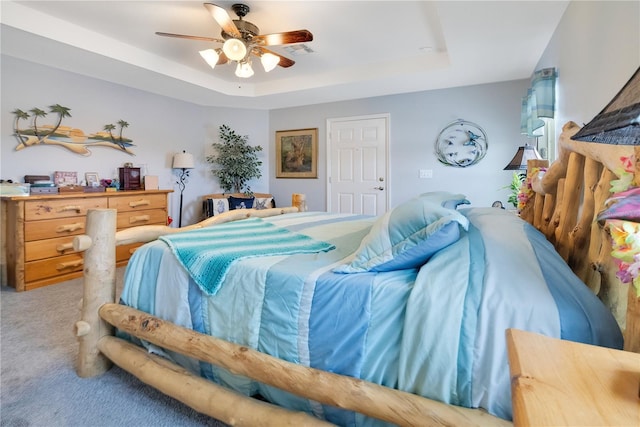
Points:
x=563, y=204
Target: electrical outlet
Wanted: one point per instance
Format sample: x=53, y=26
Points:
x=426, y=173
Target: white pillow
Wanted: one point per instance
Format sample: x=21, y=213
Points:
x=262, y=202
x=220, y=206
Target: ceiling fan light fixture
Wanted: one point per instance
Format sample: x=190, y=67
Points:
x=244, y=69
x=235, y=49
x=269, y=61
x=210, y=56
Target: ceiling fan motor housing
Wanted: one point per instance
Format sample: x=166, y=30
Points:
x=246, y=29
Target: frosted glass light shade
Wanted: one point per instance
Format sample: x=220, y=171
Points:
x=211, y=56
x=183, y=160
x=235, y=49
x=244, y=70
x=269, y=61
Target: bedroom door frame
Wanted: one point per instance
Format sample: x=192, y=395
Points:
x=381, y=123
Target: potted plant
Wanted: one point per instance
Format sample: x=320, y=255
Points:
x=515, y=186
x=236, y=161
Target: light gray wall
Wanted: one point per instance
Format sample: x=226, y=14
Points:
x=596, y=49
x=159, y=127
x=416, y=119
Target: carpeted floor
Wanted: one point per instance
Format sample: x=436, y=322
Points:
x=38, y=383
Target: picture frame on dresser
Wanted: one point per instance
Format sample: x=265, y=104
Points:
x=64, y=178
x=92, y=179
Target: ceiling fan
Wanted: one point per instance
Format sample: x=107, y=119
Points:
x=241, y=40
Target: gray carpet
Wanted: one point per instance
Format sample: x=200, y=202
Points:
x=38, y=383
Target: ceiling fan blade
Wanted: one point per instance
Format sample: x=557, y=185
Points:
x=287, y=37
x=184, y=36
x=223, y=19
x=284, y=61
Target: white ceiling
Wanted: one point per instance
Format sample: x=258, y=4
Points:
x=360, y=48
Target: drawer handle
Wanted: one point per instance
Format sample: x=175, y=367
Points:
x=70, y=208
x=70, y=227
x=142, y=202
x=69, y=264
x=139, y=218
x=65, y=246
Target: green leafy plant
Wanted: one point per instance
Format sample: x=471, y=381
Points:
x=516, y=184
x=236, y=161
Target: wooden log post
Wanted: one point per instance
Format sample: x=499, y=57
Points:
x=570, y=203
x=579, y=237
x=299, y=200
x=99, y=288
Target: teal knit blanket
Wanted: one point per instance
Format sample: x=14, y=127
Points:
x=208, y=253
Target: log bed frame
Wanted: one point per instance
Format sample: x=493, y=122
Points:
x=581, y=175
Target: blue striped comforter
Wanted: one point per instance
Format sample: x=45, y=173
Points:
x=437, y=331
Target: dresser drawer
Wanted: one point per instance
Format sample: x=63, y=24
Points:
x=36, y=230
x=35, y=210
x=36, y=270
x=146, y=217
x=124, y=252
x=48, y=248
x=138, y=202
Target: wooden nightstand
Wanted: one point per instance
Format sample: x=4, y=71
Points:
x=563, y=383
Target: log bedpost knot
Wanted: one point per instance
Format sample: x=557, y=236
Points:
x=82, y=242
x=82, y=328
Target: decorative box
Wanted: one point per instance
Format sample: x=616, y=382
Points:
x=71, y=189
x=130, y=179
x=44, y=190
x=92, y=189
x=33, y=179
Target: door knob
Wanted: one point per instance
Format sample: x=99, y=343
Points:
x=378, y=188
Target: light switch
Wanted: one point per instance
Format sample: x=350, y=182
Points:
x=426, y=173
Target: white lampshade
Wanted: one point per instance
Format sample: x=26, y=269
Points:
x=183, y=160
x=269, y=61
x=235, y=49
x=244, y=70
x=211, y=56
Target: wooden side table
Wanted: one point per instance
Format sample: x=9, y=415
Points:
x=563, y=383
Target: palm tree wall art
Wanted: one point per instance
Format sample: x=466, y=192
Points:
x=73, y=139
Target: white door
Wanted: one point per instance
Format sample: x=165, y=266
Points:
x=357, y=166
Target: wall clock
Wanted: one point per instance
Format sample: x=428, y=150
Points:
x=461, y=144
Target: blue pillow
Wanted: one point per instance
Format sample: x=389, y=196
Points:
x=240, y=202
x=446, y=199
x=407, y=236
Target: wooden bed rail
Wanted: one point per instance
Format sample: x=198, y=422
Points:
x=98, y=349
x=566, y=200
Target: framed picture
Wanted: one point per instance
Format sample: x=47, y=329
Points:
x=297, y=153
x=92, y=179
x=62, y=178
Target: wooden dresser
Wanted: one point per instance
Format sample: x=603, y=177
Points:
x=40, y=229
